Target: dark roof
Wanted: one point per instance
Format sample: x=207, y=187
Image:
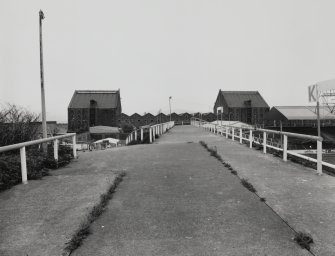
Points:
x=239, y=99
x=104, y=99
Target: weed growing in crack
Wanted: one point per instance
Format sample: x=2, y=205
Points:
x=204, y=144
x=233, y=172
x=248, y=185
x=304, y=240
x=84, y=229
x=262, y=199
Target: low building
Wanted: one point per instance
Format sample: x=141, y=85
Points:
x=93, y=108
x=298, y=116
x=244, y=106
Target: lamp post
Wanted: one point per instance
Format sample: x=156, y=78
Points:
x=44, y=122
x=170, y=106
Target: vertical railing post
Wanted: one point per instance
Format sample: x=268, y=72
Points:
x=74, y=146
x=233, y=134
x=23, y=165
x=285, y=148
x=227, y=131
x=250, y=139
x=150, y=135
x=264, y=142
x=56, y=150
x=135, y=134
x=319, y=157
x=141, y=134
x=241, y=136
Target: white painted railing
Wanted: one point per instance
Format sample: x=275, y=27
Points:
x=158, y=129
x=246, y=133
x=22, y=146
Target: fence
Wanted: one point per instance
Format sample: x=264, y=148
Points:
x=22, y=146
x=246, y=134
x=158, y=129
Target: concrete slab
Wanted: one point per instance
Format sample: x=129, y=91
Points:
x=177, y=200
x=40, y=217
x=303, y=199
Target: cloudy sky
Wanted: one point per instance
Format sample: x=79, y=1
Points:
x=153, y=49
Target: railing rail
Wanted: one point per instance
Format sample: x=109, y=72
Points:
x=22, y=146
x=158, y=129
x=246, y=133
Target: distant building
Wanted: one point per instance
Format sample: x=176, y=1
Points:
x=298, y=116
x=93, y=108
x=244, y=106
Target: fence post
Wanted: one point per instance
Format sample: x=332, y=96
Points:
x=153, y=133
x=135, y=134
x=56, y=150
x=264, y=142
x=319, y=157
x=141, y=134
x=150, y=135
x=227, y=132
x=23, y=165
x=233, y=134
x=250, y=139
x=241, y=136
x=285, y=148
x=74, y=146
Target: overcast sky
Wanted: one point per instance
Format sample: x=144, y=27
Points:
x=153, y=49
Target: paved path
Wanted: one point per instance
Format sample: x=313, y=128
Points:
x=178, y=200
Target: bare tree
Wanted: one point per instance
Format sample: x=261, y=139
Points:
x=17, y=125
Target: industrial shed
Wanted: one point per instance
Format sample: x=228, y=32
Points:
x=93, y=108
x=244, y=106
x=298, y=116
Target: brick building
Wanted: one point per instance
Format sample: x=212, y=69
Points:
x=244, y=106
x=93, y=108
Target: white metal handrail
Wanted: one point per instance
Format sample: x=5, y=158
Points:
x=22, y=146
x=230, y=131
x=158, y=129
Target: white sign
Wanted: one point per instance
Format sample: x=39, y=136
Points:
x=312, y=93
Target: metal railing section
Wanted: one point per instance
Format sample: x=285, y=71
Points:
x=246, y=134
x=158, y=129
x=22, y=146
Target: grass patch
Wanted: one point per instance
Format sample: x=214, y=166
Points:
x=233, y=172
x=84, y=229
x=304, y=240
x=262, y=199
x=248, y=185
x=204, y=144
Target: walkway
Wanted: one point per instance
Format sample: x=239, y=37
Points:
x=177, y=200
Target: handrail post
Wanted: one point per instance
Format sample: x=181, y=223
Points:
x=141, y=134
x=74, y=146
x=23, y=165
x=319, y=157
x=285, y=148
x=250, y=139
x=264, y=142
x=227, y=132
x=241, y=136
x=135, y=134
x=150, y=135
x=56, y=150
x=233, y=134
x=153, y=133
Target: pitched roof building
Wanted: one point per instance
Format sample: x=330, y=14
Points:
x=92, y=108
x=245, y=106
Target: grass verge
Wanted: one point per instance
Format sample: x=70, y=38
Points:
x=84, y=229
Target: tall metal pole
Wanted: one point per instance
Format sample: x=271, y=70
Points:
x=44, y=122
x=170, y=106
x=318, y=116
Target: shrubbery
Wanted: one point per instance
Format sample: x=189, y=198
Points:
x=17, y=125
